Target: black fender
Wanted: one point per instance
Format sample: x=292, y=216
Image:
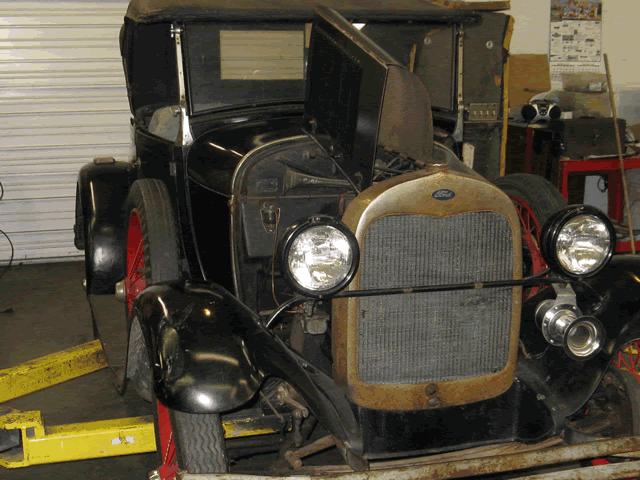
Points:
x=613, y=297
x=102, y=190
x=209, y=353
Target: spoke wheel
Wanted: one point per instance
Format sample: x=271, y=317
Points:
x=185, y=441
x=535, y=199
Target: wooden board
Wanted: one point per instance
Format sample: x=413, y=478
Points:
x=461, y=5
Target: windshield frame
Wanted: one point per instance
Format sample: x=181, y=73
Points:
x=206, y=93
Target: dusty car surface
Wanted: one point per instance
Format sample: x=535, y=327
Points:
x=307, y=262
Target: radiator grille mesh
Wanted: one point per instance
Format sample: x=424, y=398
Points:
x=431, y=337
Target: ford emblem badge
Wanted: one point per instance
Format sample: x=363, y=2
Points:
x=443, y=194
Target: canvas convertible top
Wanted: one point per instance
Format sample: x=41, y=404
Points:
x=151, y=11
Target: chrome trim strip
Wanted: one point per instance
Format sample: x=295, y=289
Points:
x=185, y=137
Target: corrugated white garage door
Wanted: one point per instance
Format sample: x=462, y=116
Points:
x=62, y=102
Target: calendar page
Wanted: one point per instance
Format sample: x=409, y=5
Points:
x=575, y=37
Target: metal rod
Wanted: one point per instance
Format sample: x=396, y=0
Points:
x=449, y=287
x=614, y=112
x=282, y=308
x=335, y=162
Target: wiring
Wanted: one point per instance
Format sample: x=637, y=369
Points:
x=13, y=251
x=8, y=266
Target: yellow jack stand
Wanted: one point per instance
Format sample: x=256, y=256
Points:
x=39, y=444
x=76, y=441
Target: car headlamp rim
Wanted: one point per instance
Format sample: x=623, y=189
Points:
x=298, y=229
x=554, y=226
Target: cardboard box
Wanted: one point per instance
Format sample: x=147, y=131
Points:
x=528, y=75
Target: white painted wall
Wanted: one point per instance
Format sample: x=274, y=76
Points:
x=619, y=39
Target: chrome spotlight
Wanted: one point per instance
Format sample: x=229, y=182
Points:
x=563, y=325
x=584, y=338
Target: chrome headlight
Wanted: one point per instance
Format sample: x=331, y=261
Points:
x=320, y=256
x=578, y=240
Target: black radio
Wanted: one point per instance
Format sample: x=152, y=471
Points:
x=540, y=111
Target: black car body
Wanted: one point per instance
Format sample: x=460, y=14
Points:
x=290, y=242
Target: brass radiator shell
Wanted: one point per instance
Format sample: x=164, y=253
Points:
x=411, y=194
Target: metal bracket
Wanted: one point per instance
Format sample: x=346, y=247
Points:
x=458, y=132
x=483, y=112
x=185, y=136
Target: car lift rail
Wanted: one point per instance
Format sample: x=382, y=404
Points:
x=36, y=444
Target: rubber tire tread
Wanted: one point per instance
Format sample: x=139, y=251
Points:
x=159, y=233
x=632, y=388
x=150, y=198
x=542, y=197
x=199, y=440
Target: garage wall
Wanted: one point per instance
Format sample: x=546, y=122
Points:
x=619, y=25
x=62, y=103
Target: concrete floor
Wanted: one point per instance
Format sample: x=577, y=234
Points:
x=51, y=313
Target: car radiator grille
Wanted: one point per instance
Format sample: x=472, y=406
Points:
x=432, y=337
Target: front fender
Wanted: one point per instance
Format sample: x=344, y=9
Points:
x=195, y=338
x=209, y=353
x=612, y=296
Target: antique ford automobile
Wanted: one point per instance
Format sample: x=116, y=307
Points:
x=304, y=266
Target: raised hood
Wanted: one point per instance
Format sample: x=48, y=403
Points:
x=359, y=98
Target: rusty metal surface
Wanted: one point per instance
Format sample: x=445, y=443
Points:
x=415, y=470
x=601, y=472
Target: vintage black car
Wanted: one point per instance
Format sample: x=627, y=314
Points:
x=312, y=250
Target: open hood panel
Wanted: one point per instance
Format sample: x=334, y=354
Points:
x=359, y=97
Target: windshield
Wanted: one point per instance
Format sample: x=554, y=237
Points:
x=240, y=63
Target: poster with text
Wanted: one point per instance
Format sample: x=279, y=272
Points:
x=575, y=36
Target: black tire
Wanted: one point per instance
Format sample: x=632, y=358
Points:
x=632, y=390
x=612, y=411
x=149, y=199
x=199, y=438
x=541, y=195
x=535, y=199
x=199, y=442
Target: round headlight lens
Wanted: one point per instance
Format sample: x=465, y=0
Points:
x=320, y=258
x=583, y=244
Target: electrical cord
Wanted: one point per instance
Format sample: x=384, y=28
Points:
x=8, y=266
x=8, y=239
x=605, y=184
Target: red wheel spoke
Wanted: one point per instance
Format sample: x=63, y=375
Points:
x=138, y=259
x=135, y=279
x=531, y=238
